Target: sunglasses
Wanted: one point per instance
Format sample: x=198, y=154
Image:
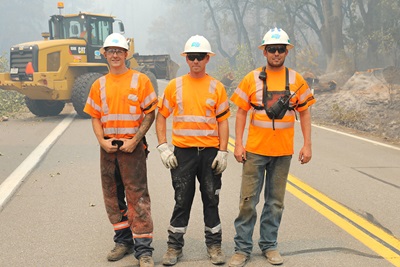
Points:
x=113, y=51
x=273, y=49
x=199, y=56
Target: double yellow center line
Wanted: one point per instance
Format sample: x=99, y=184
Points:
x=374, y=237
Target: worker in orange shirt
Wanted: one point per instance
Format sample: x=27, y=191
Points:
x=122, y=106
x=272, y=94
x=199, y=106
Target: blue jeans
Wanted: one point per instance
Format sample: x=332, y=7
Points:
x=256, y=169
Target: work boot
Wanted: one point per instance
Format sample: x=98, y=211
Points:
x=216, y=255
x=146, y=261
x=172, y=256
x=238, y=260
x=119, y=251
x=273, y=257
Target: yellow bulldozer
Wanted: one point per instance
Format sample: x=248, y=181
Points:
x=61, y=68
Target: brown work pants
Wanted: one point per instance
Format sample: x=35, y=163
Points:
x=133, y=172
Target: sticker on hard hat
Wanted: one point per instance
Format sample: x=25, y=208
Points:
x=195, y=44
x=276, y=36
x=115, y=41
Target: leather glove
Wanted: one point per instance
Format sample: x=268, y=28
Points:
x=167, y=156
x=220, y=162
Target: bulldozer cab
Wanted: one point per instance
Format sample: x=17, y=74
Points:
x=92, y=28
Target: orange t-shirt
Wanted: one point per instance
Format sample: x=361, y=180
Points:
x=197, y=105
x=121, y=101
x=262, y=139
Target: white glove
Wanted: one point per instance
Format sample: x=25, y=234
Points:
x=220, y=162
x=167, y=156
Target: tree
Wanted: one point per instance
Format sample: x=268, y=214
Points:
x=230, y=8
x=168, y=35
x=340, y=35
x=381, y=21
x=332, y=36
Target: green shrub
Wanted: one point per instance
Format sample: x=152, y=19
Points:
x=3, y=63
x=10, y=101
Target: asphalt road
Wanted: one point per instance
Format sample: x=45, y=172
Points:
x=341, y=208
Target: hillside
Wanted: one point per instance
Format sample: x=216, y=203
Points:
x=366, y=102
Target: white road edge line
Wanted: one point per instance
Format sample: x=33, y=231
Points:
x=357, y=137
x=15, y=179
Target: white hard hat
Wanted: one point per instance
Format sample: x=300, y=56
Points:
x=276, y=36
x=115, y=39
x=197, y=44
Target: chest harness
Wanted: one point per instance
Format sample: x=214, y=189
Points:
x=278, y=109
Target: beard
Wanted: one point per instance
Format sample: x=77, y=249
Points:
x=275, y=64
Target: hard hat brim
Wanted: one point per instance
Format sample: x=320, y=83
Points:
x=211, y=54
x=288, y=46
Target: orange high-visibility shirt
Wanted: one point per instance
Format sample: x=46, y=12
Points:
x=262, y=139
x=197, y=105
x=121, y=101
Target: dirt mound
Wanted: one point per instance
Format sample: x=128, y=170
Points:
x=366, y=102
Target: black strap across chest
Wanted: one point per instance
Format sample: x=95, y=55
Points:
x=265, y=88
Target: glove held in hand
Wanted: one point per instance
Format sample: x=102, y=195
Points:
x=167, y=156
x=220, y=162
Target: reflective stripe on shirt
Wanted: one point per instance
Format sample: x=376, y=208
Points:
x=209, y=122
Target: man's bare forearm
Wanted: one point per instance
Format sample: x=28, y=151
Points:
x=145, y=126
